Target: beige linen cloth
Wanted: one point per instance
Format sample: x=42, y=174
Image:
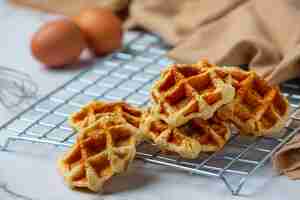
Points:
x=287, y=160
x=262, y=33
x=70, y=7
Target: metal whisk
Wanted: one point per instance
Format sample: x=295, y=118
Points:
x=15, y=87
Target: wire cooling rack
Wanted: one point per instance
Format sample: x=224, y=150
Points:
x=128, y=75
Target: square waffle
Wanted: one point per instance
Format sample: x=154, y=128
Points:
x=258, y=108
x=91, y=112
x=101, y=151
x=188, y=140
x=184, y=92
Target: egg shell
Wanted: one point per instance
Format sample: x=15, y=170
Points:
x=102, y=29
x=58, y=43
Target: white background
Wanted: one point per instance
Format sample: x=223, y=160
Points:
x=34, y=175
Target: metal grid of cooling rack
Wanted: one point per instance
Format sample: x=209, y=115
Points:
x=128, y=75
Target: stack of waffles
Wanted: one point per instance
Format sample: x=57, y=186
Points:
x=106, y=144
x=193, y=107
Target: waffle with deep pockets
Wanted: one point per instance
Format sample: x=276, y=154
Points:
x=187, y=91
x=258, y=108
x=102, y=150
x=91, y=112
x=188, y=140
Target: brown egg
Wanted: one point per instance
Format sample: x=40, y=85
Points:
x=58, y=43
x=101, y=28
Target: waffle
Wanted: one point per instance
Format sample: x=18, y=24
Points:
x=91, y=112
x=257, y=108
x=189, y=140
x=184, y=92
x=101, y=151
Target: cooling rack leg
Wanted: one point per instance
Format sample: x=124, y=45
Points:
x=5, y=146
x=234, y=191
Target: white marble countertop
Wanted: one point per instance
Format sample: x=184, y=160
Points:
x=33, y=175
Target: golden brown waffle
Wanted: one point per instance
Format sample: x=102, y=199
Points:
x=257, y=108
x=189, y=140
x=184, y=92
x=102, y=150
x=91, y=112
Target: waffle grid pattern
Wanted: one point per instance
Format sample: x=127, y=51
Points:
x=128, y=75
